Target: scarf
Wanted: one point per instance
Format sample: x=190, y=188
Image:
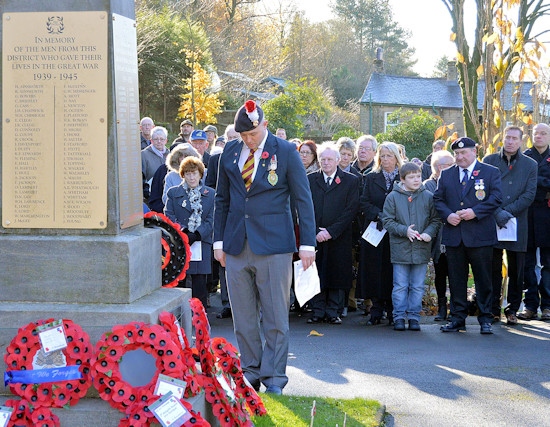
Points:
x=194, y=195
x=390, y=177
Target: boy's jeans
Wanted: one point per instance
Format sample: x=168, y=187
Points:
x=408, y=289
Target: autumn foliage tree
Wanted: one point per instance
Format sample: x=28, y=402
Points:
x=505, y=39
x=199, y=102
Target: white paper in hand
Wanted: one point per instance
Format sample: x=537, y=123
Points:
x=510, y=233
x=373, y=235
x=196, y=251
x=306, y=283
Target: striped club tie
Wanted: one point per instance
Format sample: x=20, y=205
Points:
x=248, y=170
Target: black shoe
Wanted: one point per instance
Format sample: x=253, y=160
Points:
x=335, y=321
x=453, y=327
x=274, y=389
x=414, y=325
x=315, y=319
x=441, y=310
x=374, y=320
x=224, y=314
x=399, y=325
x=486, y=329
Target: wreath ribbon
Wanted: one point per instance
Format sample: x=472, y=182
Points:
x=38, y=376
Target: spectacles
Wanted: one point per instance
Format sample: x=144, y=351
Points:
x=158, y=139
x=364, y=149
x=305, y=153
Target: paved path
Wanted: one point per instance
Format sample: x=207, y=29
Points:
x=425, y=378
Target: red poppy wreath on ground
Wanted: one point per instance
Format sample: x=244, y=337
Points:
x=25, y=351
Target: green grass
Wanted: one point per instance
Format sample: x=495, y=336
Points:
x=295, y=411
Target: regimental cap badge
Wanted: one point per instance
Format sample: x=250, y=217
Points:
x=248, y=117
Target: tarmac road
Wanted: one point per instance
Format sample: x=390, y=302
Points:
x=426, y=378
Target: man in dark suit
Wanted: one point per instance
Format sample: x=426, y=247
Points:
x=518, y=174
x=467, y=196
x=538, y=291
x=335, y=196
x=254, y=239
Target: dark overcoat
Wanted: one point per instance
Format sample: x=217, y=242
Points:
x=539, y=212
x=375, y=277
x=335, y=208
x=178, y=209
x=519, y=185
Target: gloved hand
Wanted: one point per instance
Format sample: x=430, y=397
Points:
x=379, y=225
x=193, y=237
x=502, y=217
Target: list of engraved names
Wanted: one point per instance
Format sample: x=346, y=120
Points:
x=54, y=134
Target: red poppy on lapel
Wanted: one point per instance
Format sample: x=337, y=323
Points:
x=548, y=159
x=475, y=173
x=337, y=180
x=265, y=155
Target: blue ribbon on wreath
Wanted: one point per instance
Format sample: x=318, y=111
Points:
x=38, y=376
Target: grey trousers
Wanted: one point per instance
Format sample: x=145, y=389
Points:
x=261, y=282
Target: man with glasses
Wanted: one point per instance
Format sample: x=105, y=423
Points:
x=366, y=149
x=145, y=126
x=155, y=154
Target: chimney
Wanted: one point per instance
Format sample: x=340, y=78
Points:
x=452, y=75
x=379, y=61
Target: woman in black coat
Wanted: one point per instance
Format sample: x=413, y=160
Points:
x=191, y=205
x=375, y=279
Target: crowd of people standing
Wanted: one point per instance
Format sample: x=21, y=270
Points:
x=257, y=199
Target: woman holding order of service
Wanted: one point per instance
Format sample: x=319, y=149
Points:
x=375, y=277
x=191, y=205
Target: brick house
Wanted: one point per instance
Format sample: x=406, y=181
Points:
x=385, y=94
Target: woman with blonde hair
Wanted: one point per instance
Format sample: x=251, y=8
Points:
x=375, y=277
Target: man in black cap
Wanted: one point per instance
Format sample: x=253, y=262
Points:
x=254, y=239
x=467, y=196
x=186, y=128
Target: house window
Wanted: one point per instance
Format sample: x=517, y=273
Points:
x=389, y=123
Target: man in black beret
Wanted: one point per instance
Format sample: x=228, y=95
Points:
x=467, y=196
x=254, y=239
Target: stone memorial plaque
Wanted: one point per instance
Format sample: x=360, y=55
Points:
x=54, y=123
x=127, y=114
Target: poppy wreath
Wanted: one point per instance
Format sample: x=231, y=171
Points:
x=190, y=375
x=229, y=413
x=139, y=415
x=112, y=346
x=230, y=364
x=23, y=349
x=27, y=415
x=176, y=252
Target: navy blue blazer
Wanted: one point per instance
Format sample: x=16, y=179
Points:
x=449, y=198
x=262, y=215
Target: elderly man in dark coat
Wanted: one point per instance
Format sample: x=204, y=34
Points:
x=519, y=183
x=335, y=195
x=538, y=292
x=467, y=196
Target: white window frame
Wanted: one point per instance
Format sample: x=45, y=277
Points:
x=389, y=124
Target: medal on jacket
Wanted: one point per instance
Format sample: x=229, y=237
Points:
x=272, y=178
x=480, y=189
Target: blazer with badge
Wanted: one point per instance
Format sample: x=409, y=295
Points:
x=335, y=208
x=262, y=215
x=483, y=200
x=178, y=209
